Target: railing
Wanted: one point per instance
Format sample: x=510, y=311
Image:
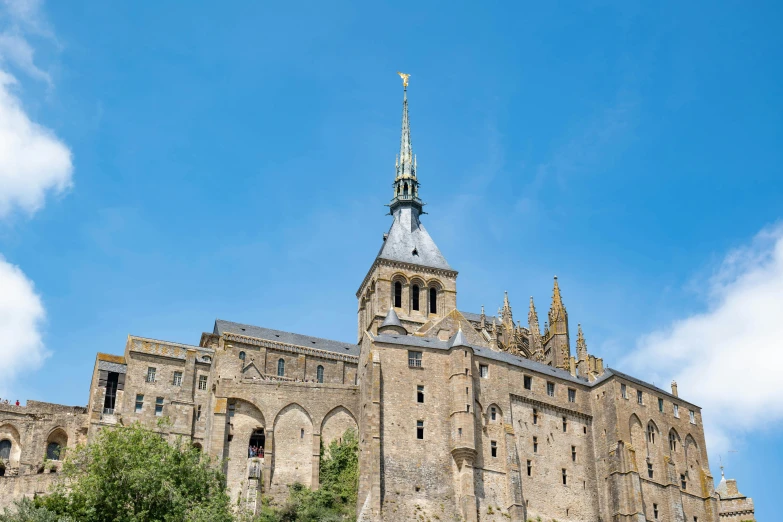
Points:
x=108, y=411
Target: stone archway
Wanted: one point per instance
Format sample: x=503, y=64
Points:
x=335, y=425
x=293, y=448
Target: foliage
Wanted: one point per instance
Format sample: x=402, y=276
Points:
x=335, y=500
x=132, y=474
x=26, y=511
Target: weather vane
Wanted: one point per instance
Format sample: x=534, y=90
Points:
x=404, y=78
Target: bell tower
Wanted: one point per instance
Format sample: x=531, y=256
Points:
x=409, y=274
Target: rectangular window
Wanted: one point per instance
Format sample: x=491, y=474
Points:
x=655, y=511
x=419, y=393
x=565, y=477
x=535, y=444
x=198, y=412
x=623, y=391
x=414, y=359
x=565, y=424
x=177, y=381
x=528, y=380
x=493, y=448
x=535, y=416
x=301, y=433
x=550, y=389
x=159, y=406
x=573, y=453
x=139, y=403
x=493, y=413
x=571, y=395
x=683, y=483
x=483, y=371
x=676, y=411
x=202, y=382
x=639, y=397
x=150, y=374
x=529, y=468
x=232, y=408
x=692, y=416
x=649, y=470
x=660, y=405
x=420, y=430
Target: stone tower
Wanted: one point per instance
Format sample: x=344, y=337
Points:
x=409, y=274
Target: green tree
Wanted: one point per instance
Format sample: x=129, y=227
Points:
x=133, y=474
x=26, y=511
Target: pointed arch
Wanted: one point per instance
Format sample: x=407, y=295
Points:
x=653, y=433
x=674, y=441
x=692, y=453
x=56, y=442
x=335, y=424
x=494, y=414
x=293, y=446
x=638, y=442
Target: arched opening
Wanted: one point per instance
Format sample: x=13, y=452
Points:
x=405, y=189
x=397, y=294
x=319, y=373
x=5, y=450
x=256, y=446
x=651, y=433
x=673, y=440
x=242, y=356
x=55, y=444
x=433, y=300
x=281, y=367
x=415, y=297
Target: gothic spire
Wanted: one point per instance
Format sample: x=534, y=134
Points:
x=532, y=318
x=557, y=310
x=505, y=312
x=581, y=345
x=406, y=185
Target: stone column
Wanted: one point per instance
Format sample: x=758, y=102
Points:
x=269, y=460
x=315, y=482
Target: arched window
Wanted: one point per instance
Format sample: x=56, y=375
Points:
x=651, y=433
x=5, y=449
x=433, y=300
x=397, y=295
x=280, y=368
x=53, y=451
x=405, y=189
x=241, y=356
x=319, y=373
x=672, y=441
x=415, y=297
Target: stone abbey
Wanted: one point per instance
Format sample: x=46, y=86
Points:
x=460, y=416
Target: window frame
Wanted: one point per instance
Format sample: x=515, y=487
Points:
x=623, y=391
x=281, y=367
x=202, y=382
x=550, y=388
x=527, y=382
x=159, y=406
x=420, y=394
x=572, y=395
x=415, y=358
x=397, y=295
x=493, y=449
x=139, y=404
x=319, y=373
x=640, y=397
x=176, y=379
x=151, y=374
x=419, y=430
x=484, y=371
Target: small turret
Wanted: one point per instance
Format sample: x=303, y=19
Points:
x=556, y=343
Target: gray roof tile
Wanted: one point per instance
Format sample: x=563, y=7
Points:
x=409, y=242
x=268, y=334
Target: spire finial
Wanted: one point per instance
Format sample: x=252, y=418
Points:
x=404, y=79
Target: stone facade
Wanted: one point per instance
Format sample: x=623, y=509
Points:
x=460, y=416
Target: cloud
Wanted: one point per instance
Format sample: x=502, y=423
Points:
x=32, y=160
x=725, y=358
x=21, y=318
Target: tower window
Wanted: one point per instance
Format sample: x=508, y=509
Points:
x=639, y=397
x=573, y=453
x=535, y=444
x=414, y=359
x=565, y=424
x=529, y=468
x=319, y=373
x=433, y=300
x=415, y=296
x=535, y=416
x=493, y=448
x=483, y=371
x=651, y=433
x=565, y=477
x=660, y=405
x=623, y=391
x=493, y=413
x=571, y=395
x=683, y=482
x=281, y=367
x=655, y=511
x=241, y=356
x=397, y=294
x=528, y=380
x=649, y=470
x=420, y=393
x=672, y=441
x=177, y=380
x=550, y=389
x=420, y=430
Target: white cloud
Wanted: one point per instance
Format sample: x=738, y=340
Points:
x=32, y=160
x=21, y=318
x=725, y=358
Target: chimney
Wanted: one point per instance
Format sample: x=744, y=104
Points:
x=674, y=388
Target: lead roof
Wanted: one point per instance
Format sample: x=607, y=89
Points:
x=409, y=242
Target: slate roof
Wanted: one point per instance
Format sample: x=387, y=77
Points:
x=406, y=236
x=470, y=316
x=391, y=319
x=268, y=334
x=642, y=383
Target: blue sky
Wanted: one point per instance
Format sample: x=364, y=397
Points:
x=182, y=164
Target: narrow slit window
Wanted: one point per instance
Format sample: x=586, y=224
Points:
x=419, y=393
x=535, y=416
x=676, y=411
x=683, y=482
x=319, y=373
x=493, y=413
x=397, y=294
x=565, y=424
x=640, y=397
x=420, y=430
x=672, y=441
x=433, y=300
x=565, y=477
x=281, y=367
x=623, y=391
x=528, y=380
x=493, y=447
x=650, y=472
x=573, y=453
x=692, y=415
x=660, y=405
x=655, y=511
x=535, y=444
x=198, y=413
x=529, y=468
x=415, y=297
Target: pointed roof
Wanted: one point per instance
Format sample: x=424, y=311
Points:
x=408, y=241
x=391, y=319
x=458, y=339
x=406, y=167
x=581, y=344
x=557, y=304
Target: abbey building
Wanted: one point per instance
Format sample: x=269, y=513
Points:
x=460, y=416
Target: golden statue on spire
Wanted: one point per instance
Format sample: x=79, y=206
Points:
x=404, y=78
